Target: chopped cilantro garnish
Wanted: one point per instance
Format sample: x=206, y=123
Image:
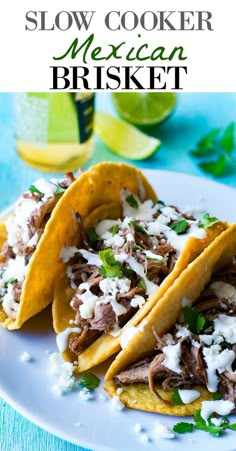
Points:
x=142, y=284
x=138, y=227
x=161, y=202
x=207, y=221
x=128, y=272
x=201, y=424
x=175, y=397
x=114, y=229
x=33, y=189
x=216, y=396
x=180, y=226
x=137, y=247
x=157, y=259
x=111, y=267
x=183, y=427
x=9, y=281
x=194, y=320
x=221, y=144
x=93, y=237
x=89, y=381
x=132, y=201
x=59, y=190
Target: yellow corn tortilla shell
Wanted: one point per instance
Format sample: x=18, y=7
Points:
x=163, y=316
x=100, y=184
x=139, y=397
x=107, y=345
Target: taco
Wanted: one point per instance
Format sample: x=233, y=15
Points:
x=28, y=264
x=183, y=352
x=129, y=252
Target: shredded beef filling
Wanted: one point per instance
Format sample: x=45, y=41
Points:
x=104, y=318
x=193, y=366
x=36, y=224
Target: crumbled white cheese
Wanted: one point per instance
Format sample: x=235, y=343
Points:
x=217, y=360
x=68, y=252
x=224, y=290
x=144, y=438
x=118, y=308
x=64, y=373
x=137, y=301
x=113, y=240
x=89, y=300
x=116, y=404
x=15, y=269
x=183, y=331
x=172, y=357
x=168, y=339
x=144, y=212
x=45, y=187
x=78, y=424
x=26, y=357
x=168, y=214
x=188, y=396
x=104, y=225
x=217, y=421
x=17, y=224
x=162, y=431
x=115, y=285
x=119, y=390
x=116, y=331
x=221, y=407
x=62, y=337
x=86, y=394
x=127, y=335
x=9, y=305
x=138, y=428
x=225, y=326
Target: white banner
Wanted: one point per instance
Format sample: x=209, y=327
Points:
x=186, y=45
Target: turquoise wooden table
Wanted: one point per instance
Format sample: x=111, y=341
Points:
x=195, y=115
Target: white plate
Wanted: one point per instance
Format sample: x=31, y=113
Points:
x=27, y=386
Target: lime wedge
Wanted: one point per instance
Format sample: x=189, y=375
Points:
x=144, y=108
x=124, y=139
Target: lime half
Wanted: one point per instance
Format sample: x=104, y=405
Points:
x=143, y=108
x=124, y=139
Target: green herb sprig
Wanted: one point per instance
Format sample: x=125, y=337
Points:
x=111, y=267
x=220, y=144
x=202, y=425
x=194, y=320
x=89, y=381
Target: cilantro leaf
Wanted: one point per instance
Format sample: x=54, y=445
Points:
x=207, y=221
x=89, y=381
x=114, y=229
x=132, y=201
x=206, y=144
x=175, y=397
x=183, y=427
x=138, y=227
x=194, y=320
x=33, y=189
x=227, y=140
x=215, y=167
x=142, y=284
x=232, y=426
x=161, y=202
x=11, y=280
x=111, y=267
x=179, y=227
x=93, y=237
x=216, y=396
x=213, y=430
x=59, y=190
